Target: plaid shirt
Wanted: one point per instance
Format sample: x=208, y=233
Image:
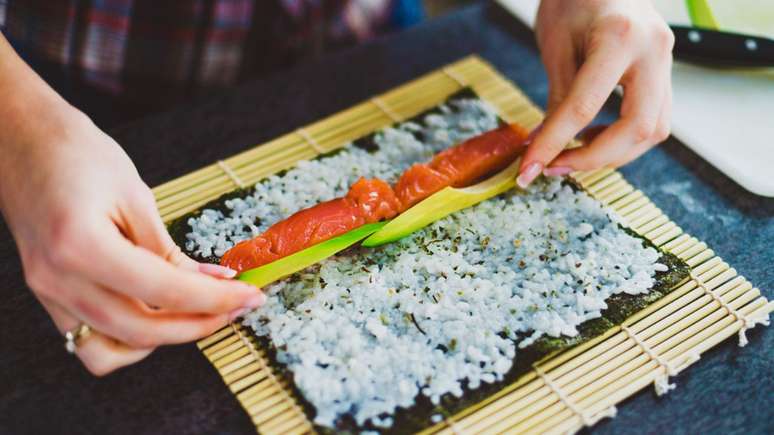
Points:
x=123, y=45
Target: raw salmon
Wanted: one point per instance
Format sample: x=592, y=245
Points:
x=368, y=201
x=463, y=164
x=374, y=200
x=417, y=183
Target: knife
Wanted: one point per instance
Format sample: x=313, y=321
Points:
x=724, y=49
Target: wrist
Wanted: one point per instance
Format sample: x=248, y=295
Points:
x=34, y=124
x=30, y=110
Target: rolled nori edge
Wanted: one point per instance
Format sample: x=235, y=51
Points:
x=418, y=417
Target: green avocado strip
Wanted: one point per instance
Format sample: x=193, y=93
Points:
x=268, y=273
x=443, y=203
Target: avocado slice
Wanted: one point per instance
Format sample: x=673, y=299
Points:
x=276, y=270
x=443, y=203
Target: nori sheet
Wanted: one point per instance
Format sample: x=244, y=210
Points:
x=418, y=417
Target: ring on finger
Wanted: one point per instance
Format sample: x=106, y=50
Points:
x=76, y=336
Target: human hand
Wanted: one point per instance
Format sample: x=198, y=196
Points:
x=588, y=47
x=93, y=246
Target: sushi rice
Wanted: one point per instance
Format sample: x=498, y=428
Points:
x=369, y=330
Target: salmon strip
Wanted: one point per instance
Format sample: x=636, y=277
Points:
x=373, y=200
x=463, y=164
x=368, y=201
x=417, y=183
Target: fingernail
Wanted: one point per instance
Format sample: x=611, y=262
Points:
x=255, y=300
x=557, y=171
x=529, y=174
x=533, y=133
x=217, y=270
x=236, y=313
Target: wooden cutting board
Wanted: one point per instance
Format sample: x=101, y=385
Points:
x=725, y=116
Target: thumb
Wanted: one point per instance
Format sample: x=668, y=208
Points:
x=144, y=227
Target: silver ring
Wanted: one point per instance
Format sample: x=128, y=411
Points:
x=75, y=336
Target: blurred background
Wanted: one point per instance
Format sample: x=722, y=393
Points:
x=121, y=64
x=434, y=8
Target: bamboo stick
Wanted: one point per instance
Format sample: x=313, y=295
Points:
x=231, y=339
x=588, y=179
x=226, y=351
x=236, y=366
x=214, y=338
x=264, y=151
x=247, y=370
x=654, y=224
x=257, y=391
x=614, y=192
x=599, y=185
x=672, y=233
x=283, y=425
x=620, y=203
x=182, y=183
x=633, y=207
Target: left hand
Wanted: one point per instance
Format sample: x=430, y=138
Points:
x=588, y=47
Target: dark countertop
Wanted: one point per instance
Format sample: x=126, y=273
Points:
x=44, y=390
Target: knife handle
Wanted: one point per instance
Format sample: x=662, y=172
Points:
x=715, y=48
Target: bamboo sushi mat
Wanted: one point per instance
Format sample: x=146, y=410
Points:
x=565, y=392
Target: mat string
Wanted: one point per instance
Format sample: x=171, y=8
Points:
x=588, y=420
x=230, y=173
x=661, y=382
x=310, y=140
x=748, y=322
x=386, y=109
x=454, y=76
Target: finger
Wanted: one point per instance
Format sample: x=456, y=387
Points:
x=639, y=116
x=593, y=84
x=130, y=321
x=561, y=65
x=662, y=130
x=137, y=272
x=664, y=127
x=143, y=225
x=587, y=136
x=100, y=354
x=216, y=270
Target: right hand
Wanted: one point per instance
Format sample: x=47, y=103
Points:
x=93, y=246
x=588, y=47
